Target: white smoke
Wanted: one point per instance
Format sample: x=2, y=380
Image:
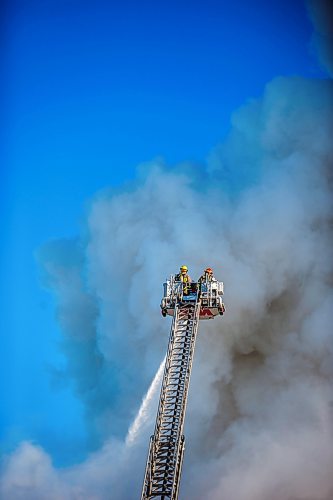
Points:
x=259, y=419
x=112, y=472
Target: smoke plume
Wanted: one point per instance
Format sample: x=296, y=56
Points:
x=321, y=13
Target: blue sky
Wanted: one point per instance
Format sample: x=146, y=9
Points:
x=91, y=90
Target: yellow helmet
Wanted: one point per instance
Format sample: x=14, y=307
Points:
x=183, y=268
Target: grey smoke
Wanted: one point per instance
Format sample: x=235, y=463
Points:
x=321, y=13
x=259, y=420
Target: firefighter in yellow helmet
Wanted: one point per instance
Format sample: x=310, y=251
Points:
x=184, y=277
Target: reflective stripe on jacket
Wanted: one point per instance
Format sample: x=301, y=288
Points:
x=184, y=278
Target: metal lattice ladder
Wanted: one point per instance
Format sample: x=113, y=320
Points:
x=166, y=450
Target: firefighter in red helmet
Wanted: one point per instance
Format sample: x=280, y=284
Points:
x=207, y=276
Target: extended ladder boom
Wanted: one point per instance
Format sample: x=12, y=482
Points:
x=166, y=450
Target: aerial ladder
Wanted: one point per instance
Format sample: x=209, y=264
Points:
x=167, y=444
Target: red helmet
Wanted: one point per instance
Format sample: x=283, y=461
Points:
x=209, y=270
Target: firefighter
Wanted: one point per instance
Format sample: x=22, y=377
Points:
x=184, y=278
x=207, y=276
